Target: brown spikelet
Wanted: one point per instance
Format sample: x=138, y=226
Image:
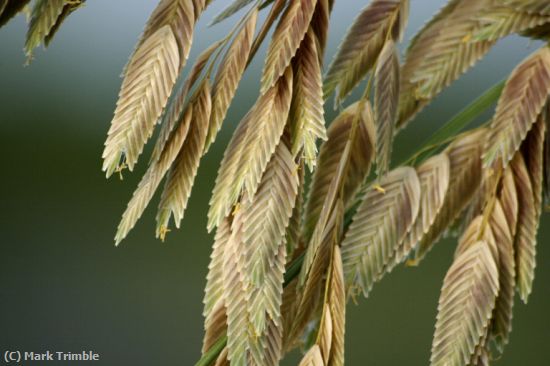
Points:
x=530, y=6
x=320, y=25
x=522, y=100
x=362, y=44
x=482, y=354
x=182, y=174
x=68, y=9
x=259, y=250
x=45, y=14
x=231, y=9
x=502, y=21
x=307, y=113
x=148, y=81
x=465, y=179
x=286, y=39
x=176, y=107
x=533, y=151
x=250, y=149
x=215, y=326
x=265, y=221
x=289, y=308
x=502, y=317
x=235, y=296
x=313, y=357
x=509, y=201
x=181, y=15
x=293, y=232
x=222, y=359
x=329, y=159
x=152, y=179
x=450, y=54
x=324, y=337
x=339, y=184
x=276, y=10
x=382, y=221
x=386, y=98
x=214, y=280
x=229, y=74
x=312, y=291
x=331, y=329
x=330, y=336
x=266, y=349
x=526, y=234
x=434, y=177
x=478, y=229
x=409, y=105
x=337, y=305
x=465, y=306
x=453, y=42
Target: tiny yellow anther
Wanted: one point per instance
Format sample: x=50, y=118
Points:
x=379, y=188
x=162, y=232
x=412, y=263
x=236, y=209
x=120, y=168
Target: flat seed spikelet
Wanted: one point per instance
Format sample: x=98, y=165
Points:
x=526, y=235
x=459, y=36
x=286, y=39
x=522, y=100
x=502, y=317
x=151, y=180
x=69, y=8
x=313, y=357
x=231, y=9
x=307, y=113
x=337, y=306
x=465, y=306
x=465, y=179
x=363, y=42
x=43, y=19
x=386, y=98
x=259, y=229
x=459, y=46
x=530, y=6
x=533, y=151
x=213, y=292
x=434, y=176
x=502, y=21
x=310, y=293
x=181, y=176
x=235, y=297
x=332, y=150
x=229, y=75
x=179, y=101
x=382, y=221
x=265, y=220
x=148, y=80
x=250, y=149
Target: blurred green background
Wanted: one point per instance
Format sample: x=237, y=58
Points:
x=65, y=287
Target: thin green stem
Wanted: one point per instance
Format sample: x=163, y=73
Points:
x=210, y=357
x=458, y=123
